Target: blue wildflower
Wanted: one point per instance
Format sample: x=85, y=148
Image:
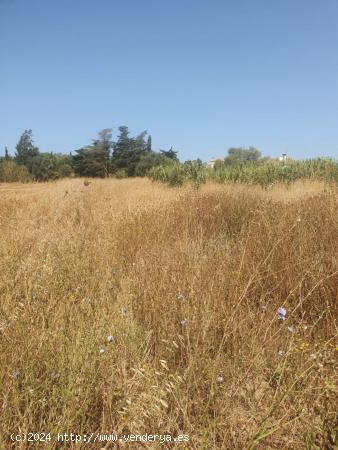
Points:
x=281, y=313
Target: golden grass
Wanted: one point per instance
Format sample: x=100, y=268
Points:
x=133, y=259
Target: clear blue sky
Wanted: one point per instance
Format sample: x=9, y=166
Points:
x=200, y=76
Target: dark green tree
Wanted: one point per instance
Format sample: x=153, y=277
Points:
x=127, y=151
x=170, y=154
x=239, y=155
x=140, y=144
x=150, y=160
x=26, y=150
x=94, y=160
x=106, y=144
x=149, y=149
x=193, y=162
x=50, y=166
x=90, y=162
x=121, y=149
x=7, y=157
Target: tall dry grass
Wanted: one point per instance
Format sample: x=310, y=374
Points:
x=188, y=284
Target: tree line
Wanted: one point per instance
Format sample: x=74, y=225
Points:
x=128, y=156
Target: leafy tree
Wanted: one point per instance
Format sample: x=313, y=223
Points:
x=26, y=150
x=41, y=168
x=49, y=166
x=149, y=149
x=170, y=154
x=127, y=151
x=140, y=144
x=106, y=143
x=7, y=157
x=90, y=162
x=239, y=155
x=94, y=160
x=193, y=163
x=150, y=160
x=121, y=149
x=63, y=165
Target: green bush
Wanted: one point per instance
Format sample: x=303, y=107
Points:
x=173, y=175
x=150, y=160
x=121, y=173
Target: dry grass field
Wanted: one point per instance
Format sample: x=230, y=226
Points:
x=129, y=307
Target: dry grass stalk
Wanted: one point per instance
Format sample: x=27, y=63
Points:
x=188, y=285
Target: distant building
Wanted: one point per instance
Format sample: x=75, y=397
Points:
x=283, y=157
x=211, y=162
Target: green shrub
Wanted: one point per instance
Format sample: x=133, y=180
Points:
x=173, y=175
x=121, y=173
x=150, y=160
